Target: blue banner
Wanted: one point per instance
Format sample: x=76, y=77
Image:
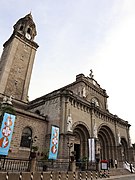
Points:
x=53, y=152
x=6, y=133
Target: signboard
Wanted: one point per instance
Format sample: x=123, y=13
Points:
x=91, y=142
x=6, y=133
x=53, y=152
x=104, y=164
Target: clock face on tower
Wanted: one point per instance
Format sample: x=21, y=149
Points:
x=28, y=36
x=95, y=101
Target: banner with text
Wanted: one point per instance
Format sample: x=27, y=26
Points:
x=91, y=142
x=6, y=133
x=53, y=152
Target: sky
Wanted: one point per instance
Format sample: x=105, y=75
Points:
x=75, y=36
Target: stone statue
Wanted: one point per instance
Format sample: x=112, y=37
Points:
x=69, y=123
x=130, y=144
x=119, y=139
x=91, y=74
x=84, y=92
x=95, y=131
x=4, y=100
x=9, y=101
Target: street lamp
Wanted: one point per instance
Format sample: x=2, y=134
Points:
x=32, y=154
x=32, y=140
x=70, y=145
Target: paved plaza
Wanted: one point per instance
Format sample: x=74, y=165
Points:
x=122, y=177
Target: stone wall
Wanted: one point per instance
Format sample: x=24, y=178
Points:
x=38, y=126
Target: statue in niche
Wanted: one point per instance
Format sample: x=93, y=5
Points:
x=69, y=123
x=130, y=144
x=84, y=92
x=95, y=131
x=119, y=139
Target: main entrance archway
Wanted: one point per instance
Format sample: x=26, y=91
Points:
x=107, y=143
x=81, y=142
x=124, y=150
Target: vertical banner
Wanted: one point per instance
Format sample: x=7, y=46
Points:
x=91, y=143
x=6, y=133
x=54, y=143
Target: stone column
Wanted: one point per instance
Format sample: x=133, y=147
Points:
x=73, y=166
x=32, y=165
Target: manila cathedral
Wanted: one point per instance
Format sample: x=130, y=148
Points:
x=87, y=129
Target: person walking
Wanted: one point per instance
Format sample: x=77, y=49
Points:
x=131, y=170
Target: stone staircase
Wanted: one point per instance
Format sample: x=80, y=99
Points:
x=118, y=171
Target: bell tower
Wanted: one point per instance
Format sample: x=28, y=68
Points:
x=17, y=59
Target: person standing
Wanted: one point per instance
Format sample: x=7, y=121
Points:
x=116, y=164
x=112, y=165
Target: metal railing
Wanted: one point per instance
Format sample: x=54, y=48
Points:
x=23, y=165
x=43, y=165
x=56, y=165
x=9, y=164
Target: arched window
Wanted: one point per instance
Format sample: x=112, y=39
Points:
x=26, y=137
x=28, y=30
x=37, y=112
x=21, y=27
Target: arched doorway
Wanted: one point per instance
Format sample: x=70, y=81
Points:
x=107, y=143
x=124, y=150
x=81, y=142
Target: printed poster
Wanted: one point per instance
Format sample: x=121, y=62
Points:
x=53, y=152
x=6, y=133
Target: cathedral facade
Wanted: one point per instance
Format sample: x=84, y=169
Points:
x=79, y=109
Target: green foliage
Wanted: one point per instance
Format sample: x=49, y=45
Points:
x=45, y=154
x=34, y=148
x=7, y=109
x=84, y=159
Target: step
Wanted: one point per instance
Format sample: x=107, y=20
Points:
x=118, y=171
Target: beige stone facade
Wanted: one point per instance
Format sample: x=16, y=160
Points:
x=90, y=119
x=79, y=109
